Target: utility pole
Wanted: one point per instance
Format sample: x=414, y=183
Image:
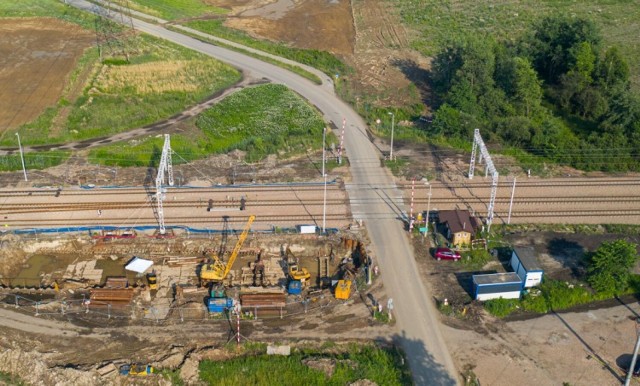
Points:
x=324, y=133
x=413, y=189
x=344, y=123
x=324, y=201
x=393, y=124
x=513, y=192
x=428, y=208
x=632, y=365
x=24, y=169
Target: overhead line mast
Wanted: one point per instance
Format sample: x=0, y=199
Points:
x=164, y=166
x=490, y=169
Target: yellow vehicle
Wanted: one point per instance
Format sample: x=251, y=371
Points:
x=217, y=271
x=137, y=369
x=343, y=289
x=297, y=273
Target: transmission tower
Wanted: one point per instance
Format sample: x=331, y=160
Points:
x=114, y=40
x=165, y=166
x=490, y=169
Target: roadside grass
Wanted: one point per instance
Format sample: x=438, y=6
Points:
x=160, y=80
x=438, y=22
x=33, y=161
x=293, y=68
x=321, y=60
x=384, y=366
x=261, y=120
x=174, y=9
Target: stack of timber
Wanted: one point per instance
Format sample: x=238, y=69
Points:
x=264, y=302
x=110, y=296
x=179, y=261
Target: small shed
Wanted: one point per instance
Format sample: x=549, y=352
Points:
x=525, y=264
x=497, y=285
x=461, y=226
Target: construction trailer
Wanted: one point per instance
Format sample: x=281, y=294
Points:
x=497, y=285
x=525, y=264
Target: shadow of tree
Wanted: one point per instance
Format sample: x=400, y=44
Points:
x=570, y=254
x=424, y=368
x=420, y=77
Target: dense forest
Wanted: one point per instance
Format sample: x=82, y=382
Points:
x=556, y=93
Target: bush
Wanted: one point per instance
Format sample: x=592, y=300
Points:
x=610, y=266
x=501, y=307
x=476, y=258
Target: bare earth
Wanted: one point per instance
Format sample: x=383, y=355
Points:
x=36, y=58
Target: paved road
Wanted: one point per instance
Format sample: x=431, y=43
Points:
x=419, y=332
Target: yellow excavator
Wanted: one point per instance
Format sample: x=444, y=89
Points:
x=218, y=270
x=297, y=273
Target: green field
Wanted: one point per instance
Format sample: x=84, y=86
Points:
x=441, y=21
x=382, y=366
x=174, y=9
x=262, y=120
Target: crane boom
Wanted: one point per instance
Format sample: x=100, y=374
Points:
x=218, y=271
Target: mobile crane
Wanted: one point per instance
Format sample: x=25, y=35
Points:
x=218, y=270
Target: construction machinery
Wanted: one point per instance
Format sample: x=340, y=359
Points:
x=297, y=273
x=137, y=369
x=343, y=289
x=218, y=270
x=218, y=300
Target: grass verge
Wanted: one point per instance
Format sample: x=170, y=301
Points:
x=33, y=161
x=321, y=60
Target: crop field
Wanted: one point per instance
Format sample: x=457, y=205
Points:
x=382, y=366
x=262, y=120
x=160, y=81
x=65, y=93
x=439, y=21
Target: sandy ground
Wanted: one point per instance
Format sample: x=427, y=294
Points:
x=579, y=348
x=36, y=58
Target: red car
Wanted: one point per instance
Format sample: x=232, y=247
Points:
x=446, y=254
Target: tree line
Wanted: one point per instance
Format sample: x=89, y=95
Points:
x=556, y=92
